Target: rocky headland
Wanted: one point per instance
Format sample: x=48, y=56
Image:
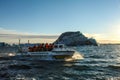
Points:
x=75, y=39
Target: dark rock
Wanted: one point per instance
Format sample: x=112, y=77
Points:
x=75, y=39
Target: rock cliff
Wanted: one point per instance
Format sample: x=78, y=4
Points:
x=75, y=39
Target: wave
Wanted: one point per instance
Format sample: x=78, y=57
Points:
x=114, y=67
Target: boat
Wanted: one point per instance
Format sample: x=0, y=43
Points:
x=50, y=52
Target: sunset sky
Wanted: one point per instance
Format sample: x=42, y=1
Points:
x=45, y=20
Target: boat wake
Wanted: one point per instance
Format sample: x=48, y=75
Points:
x=76, y=56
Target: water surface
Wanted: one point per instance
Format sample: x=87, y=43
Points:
x=99, y=63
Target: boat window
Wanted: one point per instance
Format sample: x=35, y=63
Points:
x=55, y=46
x=60, y=46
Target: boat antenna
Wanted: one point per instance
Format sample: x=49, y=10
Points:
x=19, y=41
x=19, y=48
x=28, y=43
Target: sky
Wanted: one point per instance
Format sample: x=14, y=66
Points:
x=99, y=19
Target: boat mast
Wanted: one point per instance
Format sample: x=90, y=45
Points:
x=19, y=42
x=28, y=43
x=19, y=48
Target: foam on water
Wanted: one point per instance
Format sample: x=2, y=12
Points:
x=6, y=54
x=76, y=56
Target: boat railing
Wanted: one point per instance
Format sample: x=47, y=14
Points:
x=62, y=49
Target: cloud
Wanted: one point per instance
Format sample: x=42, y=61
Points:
x=96, y=36
x=28, y=36
x=104, y=38
x=12, y=36
x=5, y=31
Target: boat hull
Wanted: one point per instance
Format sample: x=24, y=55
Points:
x=51, y=56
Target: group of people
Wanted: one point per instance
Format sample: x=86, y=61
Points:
x=41, y=47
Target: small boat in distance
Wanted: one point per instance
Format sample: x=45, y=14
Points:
x=56, y=52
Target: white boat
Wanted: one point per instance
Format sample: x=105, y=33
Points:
x=58, y=53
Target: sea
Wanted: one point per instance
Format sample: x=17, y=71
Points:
x=99, y=63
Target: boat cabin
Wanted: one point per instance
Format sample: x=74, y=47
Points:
x=45, y=47
x=59, y=46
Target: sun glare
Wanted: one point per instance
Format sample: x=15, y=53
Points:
x=115, y=33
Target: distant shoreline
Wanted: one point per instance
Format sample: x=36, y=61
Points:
x=109, y=43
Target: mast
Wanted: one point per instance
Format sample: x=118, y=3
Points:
x=19, y=42
x=28, y=41
x=19, y=48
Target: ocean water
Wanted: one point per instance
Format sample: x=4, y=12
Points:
x=99, y=63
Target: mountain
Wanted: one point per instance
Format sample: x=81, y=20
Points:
x=75, y=39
